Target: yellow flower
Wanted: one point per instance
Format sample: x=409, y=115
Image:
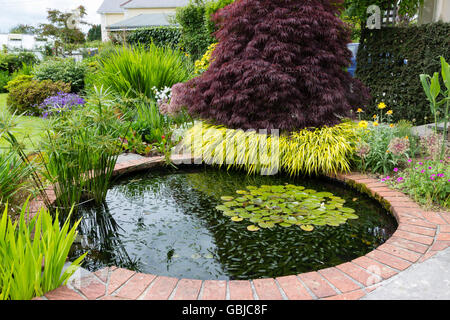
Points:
x=387, y=151
x=381, y=105
x=363, y=124
x=375, y=116
x=391, y=125
x=406, y=138
x=390, y=112
x=359, y=110
x=376, y=124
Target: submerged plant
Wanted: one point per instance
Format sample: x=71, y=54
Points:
x=287, y=206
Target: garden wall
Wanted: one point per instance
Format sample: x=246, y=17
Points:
x=390, y=61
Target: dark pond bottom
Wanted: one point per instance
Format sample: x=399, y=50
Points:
x=164, y=222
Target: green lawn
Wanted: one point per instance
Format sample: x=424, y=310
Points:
x=29, y=130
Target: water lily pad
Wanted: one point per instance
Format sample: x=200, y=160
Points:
x=222, y=208
x=286, y=205
x=252, y=228
x=308, y=227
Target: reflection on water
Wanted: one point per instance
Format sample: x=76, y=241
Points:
x=164, y=223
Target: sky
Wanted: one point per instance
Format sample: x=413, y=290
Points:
x=33, y=12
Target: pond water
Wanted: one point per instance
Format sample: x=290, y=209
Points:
x=164, y=222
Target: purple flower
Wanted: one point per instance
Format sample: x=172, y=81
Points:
x=440, y=175
x=420, y=163
x=429, y=168
x=60, y=103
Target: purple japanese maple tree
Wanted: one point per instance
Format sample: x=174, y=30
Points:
x=279, y=64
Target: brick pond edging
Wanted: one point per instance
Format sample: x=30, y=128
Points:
x=420, y=234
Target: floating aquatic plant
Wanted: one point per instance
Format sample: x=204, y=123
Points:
x=286, y=205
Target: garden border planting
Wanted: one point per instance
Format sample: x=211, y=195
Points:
x=420, y=234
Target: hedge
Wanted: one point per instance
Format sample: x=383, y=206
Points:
x=161, y=36
x=390, y=61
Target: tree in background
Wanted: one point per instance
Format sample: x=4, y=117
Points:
x=356, y=10
x=23, y=29
x=211, y=7
x=197, y=27
x=278, y=65
x=95, y=33
x=63, y=27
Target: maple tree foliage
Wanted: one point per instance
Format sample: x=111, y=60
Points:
x=278, y=65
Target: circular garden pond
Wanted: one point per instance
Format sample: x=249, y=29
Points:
x=210, y=224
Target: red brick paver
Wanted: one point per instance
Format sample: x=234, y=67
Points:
x=419, y=236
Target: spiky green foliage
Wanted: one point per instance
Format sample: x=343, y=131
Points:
x=14, y=175
x=135, y=71
x=320, y=150
x=33, y=254
x=307, y=152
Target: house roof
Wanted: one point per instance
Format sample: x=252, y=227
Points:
x=111, y=6
x=119, y=6
x=140, y=4
x=141, y=21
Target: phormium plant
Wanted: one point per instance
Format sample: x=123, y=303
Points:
x=279, y=64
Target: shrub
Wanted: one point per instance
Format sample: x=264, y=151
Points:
x=13, y=62
x=203, y=64
x=134, y=72
x=4, y=79
x=381, y=148
x=284, y=70
x=195, y=37
x=306, y=152
x=26, y=94
x=160, y=36
x=60, y=103
x=33, y=254
x=64, y=70
x=211, y=7
x=391, y=60
x=426, y=181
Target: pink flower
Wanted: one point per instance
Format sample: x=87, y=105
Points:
x=387, y=178
x=432, y=178
x=383, y=180
x=440, y=175
x=395, y=169
x=422, y=171
x=429, y=168
x=400, y=179
x=409, y=160
x=420, y=163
